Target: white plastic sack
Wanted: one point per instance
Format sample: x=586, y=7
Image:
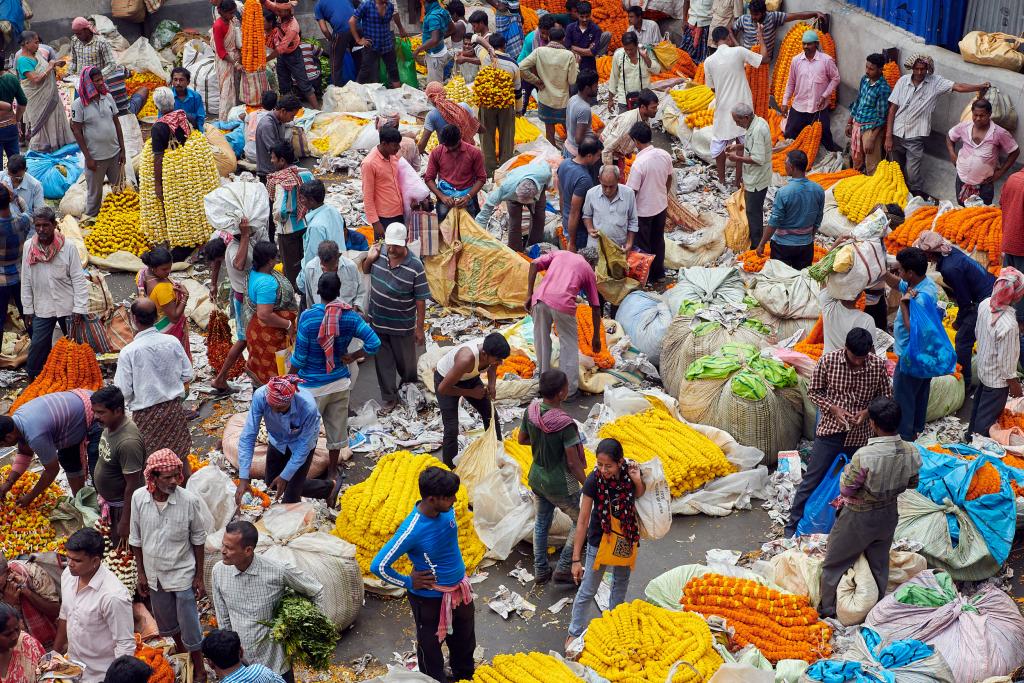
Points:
x=653, y=509
x=142, y=57
x=722, y=496
x=412, y=187
x=108, y=30
x=868, y=268
x=199, y=307
x=799, y=573
x=351, y=97
x=707, y=286
x=785, y=292
x=215, y=488
x=698, y=248
x=645, y=317
x=856, y=593
x=926, y=522
x=74, y=200
x=398, y=675
x=405, y=100
x=731, y=672
x=503, y=510
x=200, y=60
x=228, y=204
x=833, y=223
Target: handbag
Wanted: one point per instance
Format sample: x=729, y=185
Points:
x=119, y=328
x=252, y=86
x=615, y=550
x=427, y=230
x=90, y=329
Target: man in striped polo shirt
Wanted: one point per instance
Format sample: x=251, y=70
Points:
x=398, y=294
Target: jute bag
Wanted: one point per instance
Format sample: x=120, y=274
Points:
x=128, y=10
x=993, y=49
x=1003, y=112
x=737, y=230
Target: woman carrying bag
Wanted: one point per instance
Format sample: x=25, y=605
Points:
x=609, y=523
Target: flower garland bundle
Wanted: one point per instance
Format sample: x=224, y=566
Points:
x=752, y=263
x=891, y=72
x=698, y=76
x=517, y=364
x=690, y=459
x=530, y=18
x=907, y=233
x=813, y=345
x=525, y=667
x=140, y=79
x=219, y=343
x=524, y=456
x=858, y=195
x=372, y=510
x=27, y=530
x=701, y=119
x=827, y=180
x=638, y=642
x=492, y=88
x=986, y=480
x=585, y=337
x=780, y=625
x=689, y=100
x=69, y=366
x=977, y=228
x=774, y=120
x=189, y=174
x=117, y=226
x=195, y=464
x=457, y=90
x=808, y=141
x=759, y=81
x=163, y=672
x=254, y=38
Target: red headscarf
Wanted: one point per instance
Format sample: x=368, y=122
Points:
x=87, y=90
x=1007, y=290
x=281, y=389
x=161, y=461
x=176, y=120
x=452, y=112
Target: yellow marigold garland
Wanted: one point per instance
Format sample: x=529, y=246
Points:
x=858, y=195
x=524, y=456
x=525, y=667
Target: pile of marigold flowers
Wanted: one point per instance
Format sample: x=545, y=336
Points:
x=752, y=263
x=858, y=195
x=524, y=456
x=69, y=366
x=701, y=119
x=774, y=120
x=758, y=80
x=372, y=510
x=977, y=228
x=163, y=672
x=986, y=480
x=638, y=642
x=780, y=625
x=518, y=363
x=525, y=667
x=827, y=180
x=813, y=345
x=907, y=233
x=690, y=459
x=807, y=141
x=27, y=530
x=585, y=338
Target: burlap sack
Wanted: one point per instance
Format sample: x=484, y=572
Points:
x=993, y=49
x=682, y=346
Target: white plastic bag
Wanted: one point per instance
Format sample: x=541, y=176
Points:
x=405, y=100
x=412, y=187
x=74, y=200
x=215, y=488
x=108, y=30
x=228, y=204
x=785, y=292
x=856, y=593
x=653, y=509
x=351, y=97
x=399, y=675
x=503, y=509
x=142, y=57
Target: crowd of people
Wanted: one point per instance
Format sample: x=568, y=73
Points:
x=309, y=292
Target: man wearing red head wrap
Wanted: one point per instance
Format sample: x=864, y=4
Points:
x=998, y=330
x=167, y=537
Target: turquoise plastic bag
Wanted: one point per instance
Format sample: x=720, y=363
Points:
x=819, y=515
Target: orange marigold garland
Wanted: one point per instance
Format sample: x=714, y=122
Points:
x=219, y=343
x=698, y=76
x=827, y=180
x=758, y=79
x=986, y=480
x=906, y=234
x=163, y=672
x=976, y=228
x=585, y=338
x=752, y=263
x=69, y=366
x=780, y=625
x=808, y=140
x=254, y=38
x=891, y=72
x=774, y=120
x=791, y=46
x=517, y=364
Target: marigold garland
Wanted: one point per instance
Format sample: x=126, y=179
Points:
x=758, y=80
x=857, y=196
x=827, y=180
x=585, y=338
x=752, y=263
x=27, y=530
x=807, y=141
x=140, y=79
x=525, y=667
x=780, y=625
x=69, y=366
x=986, y=480
x=774, y=120
x=698, y=76
x=518, y=363
x=791, y=46
x=813, y=345
x=978, y=228
x=891, y=72
x=907, y=233
x=701, y=119
x=254, y=38
x=219, y=343
x=492, y=88
x=163, y=672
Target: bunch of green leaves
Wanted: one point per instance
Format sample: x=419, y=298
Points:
x=306, y=634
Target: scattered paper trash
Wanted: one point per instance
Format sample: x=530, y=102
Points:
x=505, y=602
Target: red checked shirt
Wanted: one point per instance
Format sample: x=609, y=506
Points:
x=836, y=383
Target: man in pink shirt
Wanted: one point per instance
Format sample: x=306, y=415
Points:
x=983, y=142
x=382, y=197
x=813, y=77
x=651, y=177
x=567, y=275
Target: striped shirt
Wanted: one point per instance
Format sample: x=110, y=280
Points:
x=916, y=104
x=747, y=29
x=394, y=293
x=96, y=52
x=254, y=673
x=308, y=357
x=167, y=536
x=998, y=347
x=49, y=423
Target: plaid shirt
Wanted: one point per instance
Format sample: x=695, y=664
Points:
x=375, y=27
x=836, y=383
x=96, y=52
x=872, y=103
x=13, y=230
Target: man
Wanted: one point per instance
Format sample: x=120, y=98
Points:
x=610, y=209
x=398, y=295
x=999, y=330
x=508, y=21
x=28, y=589
x=284, y=42
x=332, y=17
x=476, y=46
x=223, y=652
x=724, y=72
x=498, y=126
x=813, y=77
x=457, y=375
x=323, y=222
x=122, y=457
x=579, y=113
x=537, y=38
x=128, y=669
x=617, y=143
x=525, y=186
x=429, y=536
x=323, y=356
x=555, y=303
x=329, y=259
x=293, y=425
x=967, y=283
x=866, y=127
x=910, y=276
x=152, y=371
x=88, y=48
x=570, y=15
x=697, y=17
x=844, y=383
x=97, y=130
x=58, y=430
x=909, y=120
x=53, y=287
x=584, y=38
x=227, y=45
x=11, y=118
x=631, y=71
x=651, y=178
x=1011, y=201
x=557, y=473
x=246, y=591
x=796, y=216
x=271, y=131
x=983, y=144
x=724, y=13
x=95, y=623
x=167, y=537
x=382, y=196
x=28, y=192
x=574, y=182
x=436, y=22
x=759, y=26
x=371, y=31
x=459, y=168
x=870, y=486
x=552, y=69
x=838, y=317
x=186, y=99
x=646, y=30
x=753, y=158
x=13, y=231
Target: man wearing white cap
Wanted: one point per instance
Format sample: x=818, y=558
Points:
x=813, y=77
x=398, y=294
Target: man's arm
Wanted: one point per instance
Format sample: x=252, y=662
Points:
x=124, y=378
x=494, y=197
x=890, y=118
x=800, y=16
x=200, y=112
x=397, y=546
x=971, y=87
x=1011, y=159
x=303, y=584
x=117, y=612
x=527, y=73
x=576, y=462
x=325, y=28
x=398, y=22
x=79, y=283
x=530, y=278
x=434, y=40
x=76, y=130
x=220, y=606
x=575, y=207
x=27, y=299
x=247, y=439
x=369, y=200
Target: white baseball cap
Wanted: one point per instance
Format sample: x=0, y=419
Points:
x=396, y=234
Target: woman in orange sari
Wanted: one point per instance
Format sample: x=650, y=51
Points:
x=270, y=306
x=170, y=297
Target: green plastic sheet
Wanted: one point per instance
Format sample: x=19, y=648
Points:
x=921, y=596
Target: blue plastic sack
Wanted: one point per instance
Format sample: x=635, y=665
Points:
x=57, y=171
x=645, y=317
x=929, y=352
x=819, y=515
x=236, y=138
x=894, y=656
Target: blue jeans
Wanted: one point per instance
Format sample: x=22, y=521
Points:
x=588, y=589
x=9, y=141
x=472, y=207
x=912, y=395
x=545, y=507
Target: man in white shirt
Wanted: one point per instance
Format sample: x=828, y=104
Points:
x=53, y=287
x=151, y=373
x=95, y=625
x=725, y=74
x=610, y=208
x=329, y=259
x=998, y=329
x=646, y=30
x=838, y=318
x=28, y=192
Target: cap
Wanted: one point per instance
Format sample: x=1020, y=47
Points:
x=810, y=36
x=396, y=234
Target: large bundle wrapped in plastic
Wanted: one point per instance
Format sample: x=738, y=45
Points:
x=872, y=658
x=645, y=318
x=979, y=636
x=788, y=296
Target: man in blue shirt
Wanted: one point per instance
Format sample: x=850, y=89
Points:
x=332, y=16
x=186, y=99
x=430, y=537
x=574, y=181
x=436, y=22
x=28, y=192
x=223, y=652
x=293, y=425
x=796, y=216
x=585, y=38
x=322, y=222
x=523, y=186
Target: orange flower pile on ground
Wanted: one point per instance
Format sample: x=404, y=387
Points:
x=791, y=46
x=891, y=72
x=976, y=228
x=774, y=120
x=195, y=464
x=780, y=625
x=219, y=342
x=163, y=672
x=760, y=87
x=986, y=480
x=254, y=38
x=69, y=366
x=752, y=263
x=518, y=364
x=808, y=140
x=906, y=234
x=1008, y=420
x=827, y=180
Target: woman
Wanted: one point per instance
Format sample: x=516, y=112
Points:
x=48, y=128
x=609, y=524
x=444, y=112
x=27, y=589
x=289, y=205
x=170, y=297
x=19, y=652
x=271, y=308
